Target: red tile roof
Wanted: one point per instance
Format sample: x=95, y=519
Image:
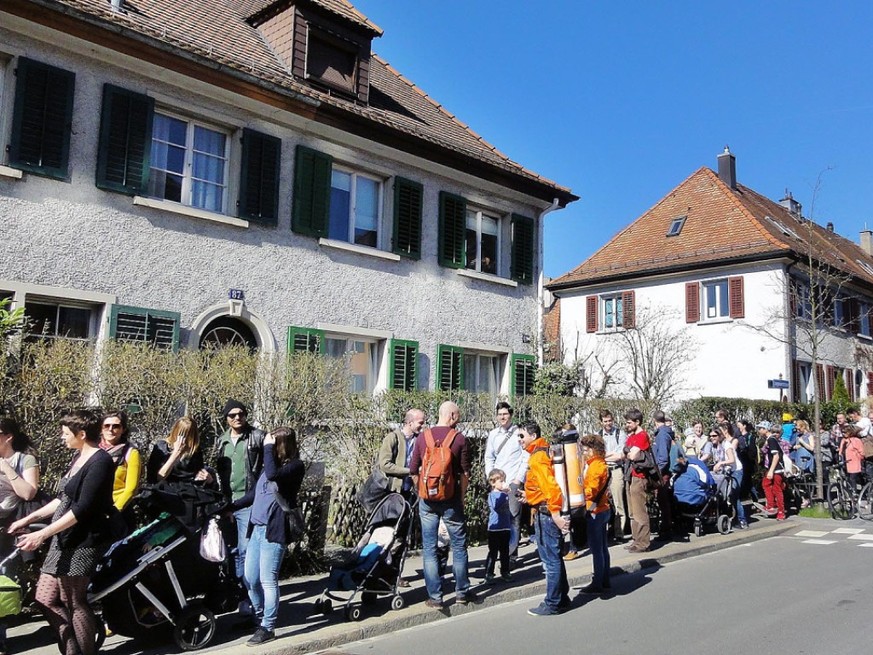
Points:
x=722, y=225
x=217, y=32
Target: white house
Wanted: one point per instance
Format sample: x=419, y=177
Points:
x=728, y=270
x=211, y=172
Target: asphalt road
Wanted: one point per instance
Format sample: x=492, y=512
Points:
x=803, y=593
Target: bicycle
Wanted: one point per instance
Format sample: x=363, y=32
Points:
x=865, y=502
x=841, y=495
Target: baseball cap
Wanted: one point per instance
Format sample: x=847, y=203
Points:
x=766, y=425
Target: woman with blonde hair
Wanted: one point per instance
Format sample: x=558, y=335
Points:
x=178, y=458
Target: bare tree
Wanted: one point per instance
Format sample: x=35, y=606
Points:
x=655, y=354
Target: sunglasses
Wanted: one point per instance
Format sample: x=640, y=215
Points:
x=112, y=426
x=236, y=415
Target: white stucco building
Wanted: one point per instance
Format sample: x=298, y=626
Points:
x=726, y=269
x=217, y=171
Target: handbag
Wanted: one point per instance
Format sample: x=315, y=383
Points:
x=294, y=515
x=212, y=547
x=374, y=489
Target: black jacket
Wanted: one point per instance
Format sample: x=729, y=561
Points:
x=90, y=490
x=254, y=458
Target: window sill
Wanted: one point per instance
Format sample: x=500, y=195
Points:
x=486, y=277
x=14, y=173
x=609, y=330
x=176, y=208
x=864, y=337
x=716, y=321
x=361, y=250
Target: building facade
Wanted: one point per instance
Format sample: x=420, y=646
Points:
x=249, y=172
x=761, y=296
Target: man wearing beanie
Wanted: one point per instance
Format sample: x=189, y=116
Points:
x=239, y=460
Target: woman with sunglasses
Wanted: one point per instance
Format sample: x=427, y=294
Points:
x=178, y=458
x=114, y=440
x=729, y=460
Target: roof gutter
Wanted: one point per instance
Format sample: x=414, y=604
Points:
x=541, y=279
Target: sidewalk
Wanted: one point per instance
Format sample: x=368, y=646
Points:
x=300, y=632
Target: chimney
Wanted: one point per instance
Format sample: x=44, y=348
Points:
x=830, y=226
x=794, y=207
x=727, y=168
x=867, y=241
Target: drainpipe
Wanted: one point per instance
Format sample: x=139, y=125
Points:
x=540, y=310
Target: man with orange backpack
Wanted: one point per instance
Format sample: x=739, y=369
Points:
x=440, y=470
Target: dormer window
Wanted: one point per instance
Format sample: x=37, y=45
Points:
x=331, y=62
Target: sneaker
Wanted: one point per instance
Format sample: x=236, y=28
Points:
x=637, y=549
x=542, y=610
x=433, y=604
x=744, y=525
x=569, y=557
x=466, y=598
x=261, y=636
x=506, y=577
x=780, y=517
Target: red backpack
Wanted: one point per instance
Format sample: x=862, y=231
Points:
x=436, y=478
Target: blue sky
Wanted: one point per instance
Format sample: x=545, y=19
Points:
x=622, y=101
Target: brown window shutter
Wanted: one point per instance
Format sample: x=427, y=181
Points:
x=692, y=302
x=628, y=310
x=849, y=379
x=821, y=390
x=830, y=380
x=736, y=300
x=870, y=383
x=795, y=381
x=591, y=314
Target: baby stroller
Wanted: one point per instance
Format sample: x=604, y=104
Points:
x=699, y=498
x=154, y=584
x=375, y=565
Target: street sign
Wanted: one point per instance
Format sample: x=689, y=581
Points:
x=777, y=384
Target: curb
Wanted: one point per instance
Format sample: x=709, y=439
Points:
x=418, y=614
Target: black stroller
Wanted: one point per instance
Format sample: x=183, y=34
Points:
x=154, y=584
x=374, y=568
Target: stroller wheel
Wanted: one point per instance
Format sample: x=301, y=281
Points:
x=698, y=529
x=353, y=613
x=195, y=627
x=397, y=603
x=724, y=524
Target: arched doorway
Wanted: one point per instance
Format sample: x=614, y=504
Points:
x=228, y=331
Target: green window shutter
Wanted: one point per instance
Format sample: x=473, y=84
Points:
x=404, y=369
x=42, y=119
x=125, y=141
x=452, y=227
x=523, y=249
x=524, y=369
x=311, y=210
x=450, y=368
x=408, y=205
x=259, y=177
x=301, y=340
x=157, y=327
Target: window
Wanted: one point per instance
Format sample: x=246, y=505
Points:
x=715, y=300
x=867, y=267
x=805, y=384
x=188, y=163
x=787, y=231
x=612, y=312
x=42, y=119
x=481, y=373
x=153, y=326
x=802, y=300
x=330, y=63
x=361, y=360
x=482, y=241
x=676, y=226
x=840, y=313
x=355, y=208
x=864, y=319
x=49, y=320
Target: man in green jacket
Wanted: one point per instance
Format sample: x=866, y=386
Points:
x=396, y=449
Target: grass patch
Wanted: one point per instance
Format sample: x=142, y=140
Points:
x=817, y=511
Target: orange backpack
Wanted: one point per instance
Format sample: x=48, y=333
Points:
x=436, y=478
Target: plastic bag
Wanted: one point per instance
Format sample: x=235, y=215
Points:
x=212, y=547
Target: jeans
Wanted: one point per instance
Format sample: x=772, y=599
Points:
x=452, y=514
x=241, y=518
x=548, y=539
x=741, y=511
x=263, y=559
x=598, y=525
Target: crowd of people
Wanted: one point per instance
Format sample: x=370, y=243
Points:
x=260, y=474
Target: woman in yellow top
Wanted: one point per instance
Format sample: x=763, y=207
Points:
x=597, y=511
x=114, y=440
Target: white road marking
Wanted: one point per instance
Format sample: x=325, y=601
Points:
x=819, y=542
x=862, y=537
x=811, y=533
x=847, y=531
x=866, y=544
